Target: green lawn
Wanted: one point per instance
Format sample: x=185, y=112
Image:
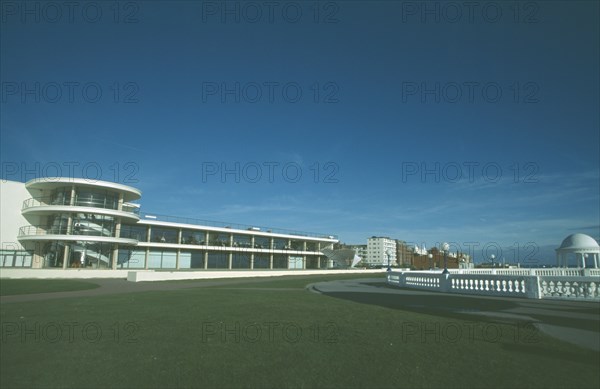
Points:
x=246, y=335
x=27, y=286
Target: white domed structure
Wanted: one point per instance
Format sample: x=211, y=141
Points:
x=581, y=246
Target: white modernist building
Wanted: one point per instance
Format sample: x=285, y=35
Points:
x=65, y=223
x=381, y=251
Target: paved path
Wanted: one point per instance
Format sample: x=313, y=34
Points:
x=576, y=322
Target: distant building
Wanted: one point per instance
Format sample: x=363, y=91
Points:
x=377, y=248
x=361, y=251
x=404, y=253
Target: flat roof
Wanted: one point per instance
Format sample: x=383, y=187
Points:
x=182, y=222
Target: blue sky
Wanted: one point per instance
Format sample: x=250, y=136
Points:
x=415, y=120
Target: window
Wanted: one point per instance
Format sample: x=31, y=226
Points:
x=193, y=237
x=242, y=241
x=219, y=239
x=164, y=235
x=261, y=261
x=262, y=242
x=164, y=259
x=191, y=260
x=131, y=259
x=137, y=232
x=217, y=260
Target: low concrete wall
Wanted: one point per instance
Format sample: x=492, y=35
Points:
x=61, y=273
x=149, y=275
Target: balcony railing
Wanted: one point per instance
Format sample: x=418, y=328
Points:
x=74, y=230
x=209, y=223
x=46, y=201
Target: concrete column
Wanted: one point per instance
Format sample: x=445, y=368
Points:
x=206, y=256
x=271, y=259
x=147, y=256
x=229, y=260
x=252, y=260
x=177, y=257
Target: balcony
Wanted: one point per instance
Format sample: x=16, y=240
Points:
x=50, y=205
x=74, y=233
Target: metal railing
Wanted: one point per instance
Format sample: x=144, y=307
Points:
x=48, y=201
x=43, y=230
x=209, y=223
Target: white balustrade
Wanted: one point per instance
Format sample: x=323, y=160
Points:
x=555, y=283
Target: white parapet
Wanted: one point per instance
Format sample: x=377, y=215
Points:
x=565, y=284
x=150, y=275
x=61, y=273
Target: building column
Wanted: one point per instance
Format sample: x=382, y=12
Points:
x=206, y=256
x=271, y=261
x=229, y=260
x=177, y=259
x=252, y=261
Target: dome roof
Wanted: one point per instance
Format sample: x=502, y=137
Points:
x=579, y=241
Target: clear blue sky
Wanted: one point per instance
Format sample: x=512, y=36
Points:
x=387, y=89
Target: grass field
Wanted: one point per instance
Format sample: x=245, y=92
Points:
x=14, y=286
x=270, y=333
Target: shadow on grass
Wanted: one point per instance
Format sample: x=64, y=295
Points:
x=537, y=350
x=436, y=305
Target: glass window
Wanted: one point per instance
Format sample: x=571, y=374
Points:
x=15, y=258
x=262, y=242
x=218, y=239
x=311, y=246
x=297, y=245
x=164, y=235
x=280, y=261
x=96, y=225
x=261, y=261
x=57, y=224
x=280, y=244
x=296, y=262
x=138, y=232
x=163, y=259
x=98, y=199
x=169, y=260
x=311, y=262
x=61, y=196
x=131, y=259
x=242, y=241
x=217, y=260
x=90, y=255
x=53, y=254
x=191, y=260
x=240, y=261
x=193, y=237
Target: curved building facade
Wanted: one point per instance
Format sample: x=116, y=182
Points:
x=72, y=223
